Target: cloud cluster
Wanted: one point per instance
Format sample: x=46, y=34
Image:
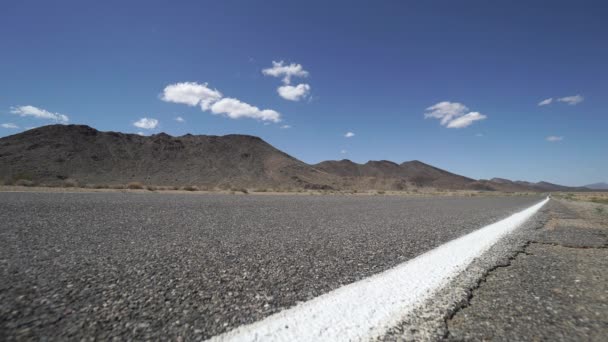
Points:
x=287, y=91
x=236, y=109
x=193, y=94
x=9, y=126
x=292, y=93
x=571, y=100
x=453, y=114
x=466, y=120
x=39, y=113
x=349, y=135
x=286, y=71
x=146, y=123
x=180, y=119
x=553, y=138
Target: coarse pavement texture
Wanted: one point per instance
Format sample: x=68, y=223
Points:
x=166, y=266
x=555, y=290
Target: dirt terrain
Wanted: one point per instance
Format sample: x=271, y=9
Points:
x=78, y=155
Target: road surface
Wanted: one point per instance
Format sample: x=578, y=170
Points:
x=165, y=266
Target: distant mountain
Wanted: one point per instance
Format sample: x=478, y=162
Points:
x=507, y=185
x=597, y=186
x=546, y=186
x=52, y=154
x=385, y=174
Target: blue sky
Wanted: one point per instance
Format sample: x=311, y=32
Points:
x=372, y=68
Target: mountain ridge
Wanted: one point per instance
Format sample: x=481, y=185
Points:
x=51, y=154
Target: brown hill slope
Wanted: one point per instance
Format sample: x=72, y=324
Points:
x=385, y=174
x=53, y=153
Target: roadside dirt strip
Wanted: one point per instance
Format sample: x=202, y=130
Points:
x=555, y=289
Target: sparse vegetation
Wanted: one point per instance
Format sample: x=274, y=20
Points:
x=190, y=188
x=135, y=186
x=599, y=200
x=25, y=182
x=243, y=190
x=260, y=190
x=151, y=188
x=70, y=183
x=600, y=210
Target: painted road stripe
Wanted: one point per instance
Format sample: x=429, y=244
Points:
x=369, y=307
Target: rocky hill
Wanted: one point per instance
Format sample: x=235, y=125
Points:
x=597, y=186
x=56, y=153
x=385, y=174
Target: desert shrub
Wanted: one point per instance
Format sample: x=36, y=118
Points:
x=381, y=192
x=100, y=186
x=599, y=200
x=190, y=188
x=151, y=188
x=599, y=210
x=135, y=186
x=69, y=183
x=243, y=190
x=260, y=190
x=25, y=182
x=117, y=186
x=22, y=175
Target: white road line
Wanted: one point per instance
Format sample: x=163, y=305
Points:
x=369, y=307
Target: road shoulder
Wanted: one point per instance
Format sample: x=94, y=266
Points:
x=556, y=288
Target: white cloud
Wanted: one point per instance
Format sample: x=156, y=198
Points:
x=453, y=114
x=446, y=111
x=9, y=125
x=285, y=127
x=286, y=71
x=343, y=151
x=180, y=119
x=479, y=135
x=571, y=100
x=236, y=109
x=466, y=120
x=292, y=93
x=141, y=133
x=553, y=138
x=191, y=93
x=39, y=113
x=349, y=135
x=146, y=123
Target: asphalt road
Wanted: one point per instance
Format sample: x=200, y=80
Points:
x=164, y=266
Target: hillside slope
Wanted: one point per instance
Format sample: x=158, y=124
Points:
x=385, y=174
x=53, y=153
